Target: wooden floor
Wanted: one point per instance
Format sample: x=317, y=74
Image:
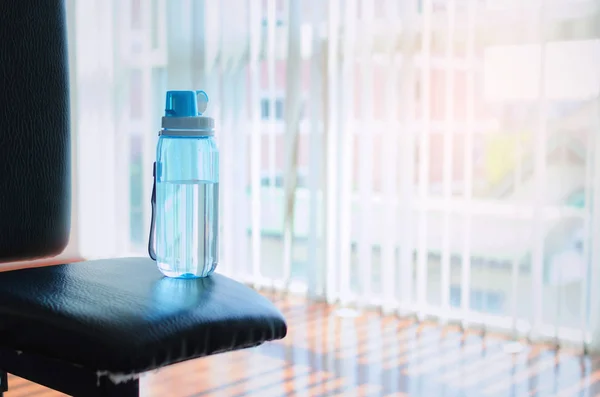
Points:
x=326, y=354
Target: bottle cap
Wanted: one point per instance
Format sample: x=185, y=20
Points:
x=183, y=114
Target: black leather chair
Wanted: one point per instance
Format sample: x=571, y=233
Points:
x=89, y=328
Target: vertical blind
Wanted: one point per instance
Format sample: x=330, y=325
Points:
x=430, y=158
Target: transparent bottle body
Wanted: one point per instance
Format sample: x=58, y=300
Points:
x=187, y=206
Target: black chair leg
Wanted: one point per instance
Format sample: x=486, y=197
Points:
x=3, y=382
x=106, y=388
x=70, y=379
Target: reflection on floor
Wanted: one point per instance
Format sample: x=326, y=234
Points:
x=332, y=353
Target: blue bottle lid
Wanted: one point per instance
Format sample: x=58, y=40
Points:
x=183, y=114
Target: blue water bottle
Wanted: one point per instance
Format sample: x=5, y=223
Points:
x=185, y=198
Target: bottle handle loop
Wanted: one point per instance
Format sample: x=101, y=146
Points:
x=152, y=236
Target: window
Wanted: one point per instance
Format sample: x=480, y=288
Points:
x=265, y=109
x=301, y=180
x=136, y=14
x=136, y=194
x=135, y=93
x=487, y=301
x=500, y=214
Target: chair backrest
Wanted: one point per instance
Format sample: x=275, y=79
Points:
x=35, y=179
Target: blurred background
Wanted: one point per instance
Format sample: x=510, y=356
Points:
x=425, y=157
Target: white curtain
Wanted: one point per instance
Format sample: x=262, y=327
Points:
x=432, y=158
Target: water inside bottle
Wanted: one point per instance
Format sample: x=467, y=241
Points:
x=186, y=240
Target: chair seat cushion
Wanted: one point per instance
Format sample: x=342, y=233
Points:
x=122, y=315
